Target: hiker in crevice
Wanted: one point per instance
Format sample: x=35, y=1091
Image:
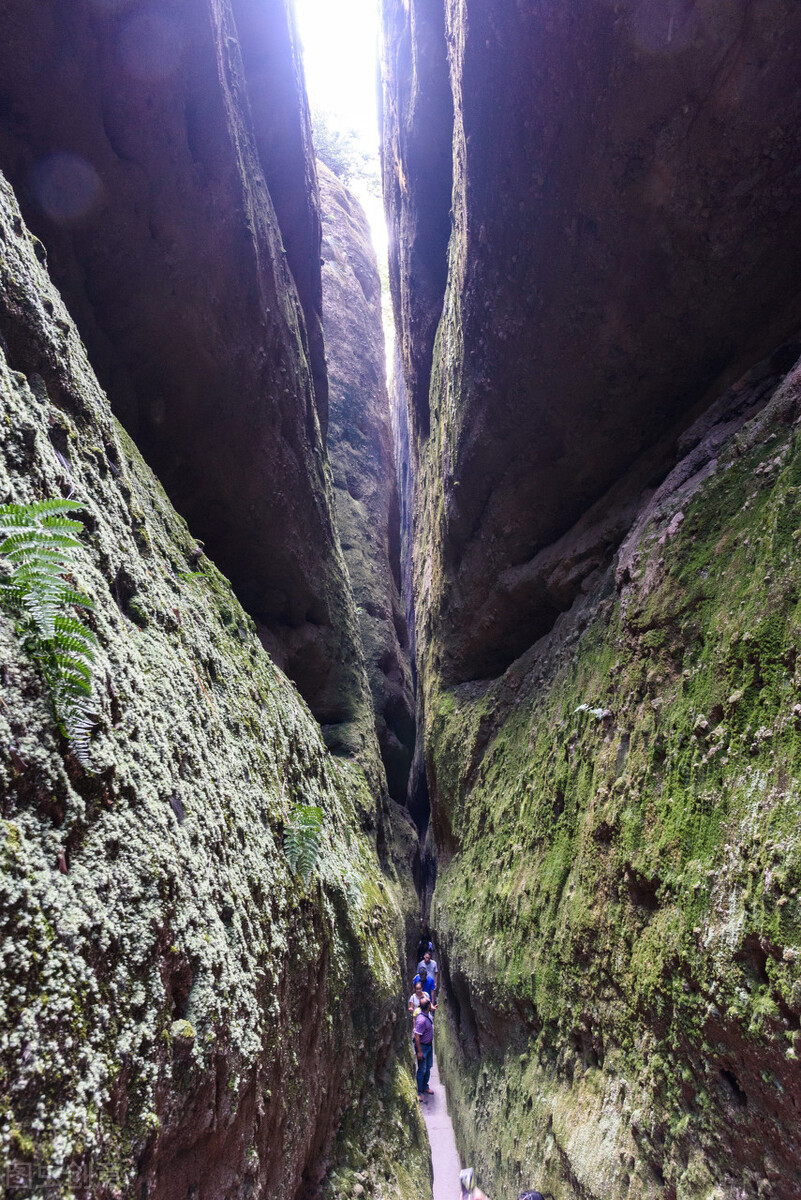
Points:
x=468, y=1190
x=429, y=984
x=418, y=994
x=428, y=967
x=424, y=1047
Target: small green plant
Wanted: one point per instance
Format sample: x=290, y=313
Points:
x=41, y=547
x=302, y=839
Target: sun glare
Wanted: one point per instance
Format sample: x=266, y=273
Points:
x=340, y=55
x=340, y=47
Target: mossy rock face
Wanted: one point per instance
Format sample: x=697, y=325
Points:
x=619, y=891
x=177, y=1009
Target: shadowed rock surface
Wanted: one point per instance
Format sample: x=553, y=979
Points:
x=417, y=798
x=162, y=155
x=181, y=1015
x=606, y=585
x=626, y=223
x=363, y=465
x=417, y=120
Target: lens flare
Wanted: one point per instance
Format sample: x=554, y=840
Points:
x=66, y=186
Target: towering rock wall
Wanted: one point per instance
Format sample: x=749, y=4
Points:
x=625, y=974
x=363, y=464
x=181, y=1015
x=605, y=587
x=625, y=210
x=418, y=125
x=162, y=154
x=417, y=798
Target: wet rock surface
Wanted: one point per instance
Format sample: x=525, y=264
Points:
x=162, y=153
x=181, y=1015
x=362, y=459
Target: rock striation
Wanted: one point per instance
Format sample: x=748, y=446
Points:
x=162, y=154
x=181, y=1015
x=362, y=459
x=604, y=580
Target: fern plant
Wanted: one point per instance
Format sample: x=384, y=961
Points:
x=41, y=547
x=302, y=839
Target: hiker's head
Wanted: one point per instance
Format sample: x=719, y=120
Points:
x=427, y=957
x=530, y=1196
x=425, y=1004
x=418, y=988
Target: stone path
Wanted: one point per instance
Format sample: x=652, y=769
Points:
x=443, y=1144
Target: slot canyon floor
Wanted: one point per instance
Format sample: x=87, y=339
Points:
x=444, y=1156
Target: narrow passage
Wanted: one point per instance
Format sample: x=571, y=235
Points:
x=444, y=1157
x=423, y=1002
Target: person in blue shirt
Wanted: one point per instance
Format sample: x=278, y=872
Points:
x=429, y=983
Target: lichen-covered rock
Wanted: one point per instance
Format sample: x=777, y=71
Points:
x=179, y=1015
x=619, y=890
x=363, y=465
x=162, y=153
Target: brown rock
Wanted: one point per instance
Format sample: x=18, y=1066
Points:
x=626, y=227
x=162, y=154
x=417, y=152
x=362, y=459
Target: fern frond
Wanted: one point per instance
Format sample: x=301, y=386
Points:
x=302, y=839
x=42, y=536
x=29, y=514
x=71, y=626
x=62, y=523
x=72, y=669
x=11, y=590
x=40, y=547
x=74, y=647
x=77, y=722
x=79, y=599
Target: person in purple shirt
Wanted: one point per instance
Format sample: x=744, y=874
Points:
x=424, y=1047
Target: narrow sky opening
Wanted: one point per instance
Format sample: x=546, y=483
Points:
x=340, y=54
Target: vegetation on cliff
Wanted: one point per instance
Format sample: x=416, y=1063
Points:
x=618, y=896
x=176, y=1004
